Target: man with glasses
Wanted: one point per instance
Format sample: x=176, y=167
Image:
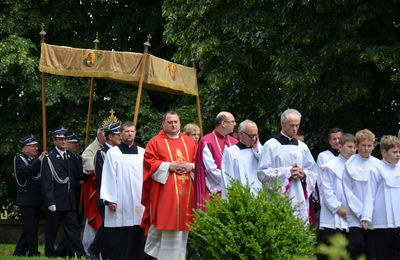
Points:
x=240, y=161
x=208, y=158
x=289, y=161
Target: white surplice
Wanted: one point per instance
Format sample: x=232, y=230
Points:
x=121, y=183
x=333, y=196
x=275, y=163
x=241, y=165
x=381, y=204
x=355, y=185
x=323, y=158
x=212, y=173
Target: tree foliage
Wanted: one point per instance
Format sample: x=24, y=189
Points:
x=122, y=25
x=335, y=61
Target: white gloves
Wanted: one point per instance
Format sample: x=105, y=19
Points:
x=52, y=208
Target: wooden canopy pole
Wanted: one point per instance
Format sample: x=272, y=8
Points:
x=43, y=34
x=96, y=47
x=198, y=96
x=139, y=94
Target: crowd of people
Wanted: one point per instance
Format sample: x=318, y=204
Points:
x=139, y=202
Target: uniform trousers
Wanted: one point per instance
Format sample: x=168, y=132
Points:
x=28, y=240
x=386, y=243
x=68, y=219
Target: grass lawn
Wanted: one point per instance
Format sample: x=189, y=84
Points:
x=6, y=251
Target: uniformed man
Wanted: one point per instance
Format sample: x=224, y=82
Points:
x=29, y=197
x=73, y=144
x=60, y=169
x=73, y=147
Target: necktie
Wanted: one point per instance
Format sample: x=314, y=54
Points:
x=65, y=156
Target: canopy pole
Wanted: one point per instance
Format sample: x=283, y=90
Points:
x=197, y=96
x=139, y=94
x=96, y=47
x=43, y=34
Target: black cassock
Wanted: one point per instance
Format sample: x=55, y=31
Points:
x=29, y=200
x=59, y=178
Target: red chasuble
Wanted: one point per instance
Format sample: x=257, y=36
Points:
x=168, y=206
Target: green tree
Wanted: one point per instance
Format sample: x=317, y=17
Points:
x=335, y=61
x=122, y=25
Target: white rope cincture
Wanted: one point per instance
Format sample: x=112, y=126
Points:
x=55, y=175
x=15, y=171
x=36, y=177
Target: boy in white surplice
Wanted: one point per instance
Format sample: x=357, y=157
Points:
x=334, y=207
x=355, y=184
x=381, y=211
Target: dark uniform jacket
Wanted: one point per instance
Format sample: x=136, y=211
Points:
x=59, y=178
x=98, y=169
x=27, y=174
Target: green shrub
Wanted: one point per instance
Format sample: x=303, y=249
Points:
x=246, y=226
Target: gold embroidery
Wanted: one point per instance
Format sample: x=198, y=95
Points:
x=179, y=191
x=183, y=178
x=179, y=155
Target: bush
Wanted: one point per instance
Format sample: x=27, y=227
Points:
x=246, y=226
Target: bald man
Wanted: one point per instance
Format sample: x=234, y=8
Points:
x=240, y=161
x=208, y=158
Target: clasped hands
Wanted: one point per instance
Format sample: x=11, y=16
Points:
x=180, y=167
x=297, y=172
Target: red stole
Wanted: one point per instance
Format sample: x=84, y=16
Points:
x=171, y=204
x=216, y=144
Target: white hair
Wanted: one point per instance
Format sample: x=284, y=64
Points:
x=285, y=114
x=245, y=123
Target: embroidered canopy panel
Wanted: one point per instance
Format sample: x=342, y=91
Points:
x=160, y=75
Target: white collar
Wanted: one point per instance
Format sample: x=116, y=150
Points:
x=388, y=163
x=173, y=136
x=109, y=145
x=61, y=152
x=341, y=157
x=290, y=138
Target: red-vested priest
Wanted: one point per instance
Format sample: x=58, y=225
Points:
x=167, y=195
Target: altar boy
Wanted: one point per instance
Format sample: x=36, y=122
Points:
x=381, y=211
x=334, y=208
x=355, y=184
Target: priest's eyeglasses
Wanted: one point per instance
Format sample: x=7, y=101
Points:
x=231, y=122
x=251, y=136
